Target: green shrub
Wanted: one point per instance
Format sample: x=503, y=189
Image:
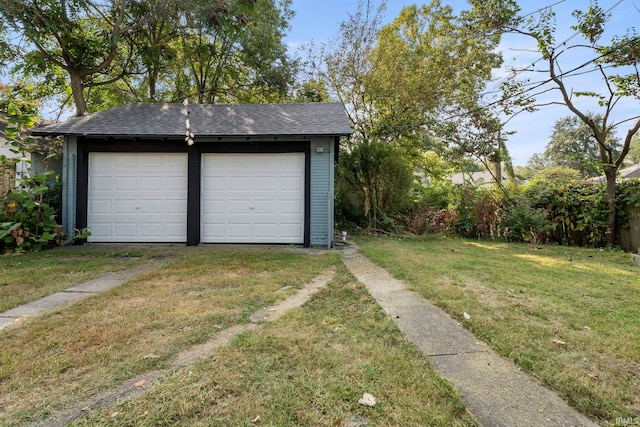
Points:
x=28, y=213
x=524, y=223
x=479, y=211
x=576, y=210
x=27, y=222
x=373, y=185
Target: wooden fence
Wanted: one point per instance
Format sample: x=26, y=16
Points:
x=7, y=179
x=629, y=238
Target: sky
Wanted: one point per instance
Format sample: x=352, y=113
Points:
x=319, y=21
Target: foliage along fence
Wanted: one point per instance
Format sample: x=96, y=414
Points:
x=629, y=237
x=7, y=179
x=566, y=212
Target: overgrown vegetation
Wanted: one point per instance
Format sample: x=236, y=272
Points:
x=567, y=315
x=552, y=208
x=29, y=213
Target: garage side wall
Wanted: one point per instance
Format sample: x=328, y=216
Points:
x=69, y=185
x=322, y=155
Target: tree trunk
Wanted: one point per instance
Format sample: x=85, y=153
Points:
x=153, y=77
x=610, y=174
x=77, y=89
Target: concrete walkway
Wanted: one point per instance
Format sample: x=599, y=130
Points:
x=75, y=293
x=494, y=390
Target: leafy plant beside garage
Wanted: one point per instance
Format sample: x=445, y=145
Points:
x=27, y=216
x=28, y=223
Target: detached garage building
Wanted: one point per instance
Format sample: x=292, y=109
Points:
x=255, y=173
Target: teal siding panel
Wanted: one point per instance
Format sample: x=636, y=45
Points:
x=321, y=215
x=69, y=183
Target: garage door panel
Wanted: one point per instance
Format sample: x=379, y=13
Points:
x=211, y=207
x=175, y=207
x=101, y=230
x=151, y=207
x=266, y=230
x=152, y=183
x=137, y=197
x=176, y=183
x=291, y=184
x=125, y=207
x=100, y=207
x=239, y=230
x=101, y=184
x=236, y=183
x=263, y=207
x=246, y=196
x=150, y=230
x=266, y=183
x=126, y=183
x=153, y=161
x=290, y=230
x=123, y=161
x=214, y=230
x=125, y=229
x=291, y=207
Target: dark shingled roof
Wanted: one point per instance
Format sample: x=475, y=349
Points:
x=168, y=120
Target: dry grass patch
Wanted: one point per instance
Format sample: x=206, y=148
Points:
x=567, y=315
x=309, y=368
x=31, y=276
x=76, y=352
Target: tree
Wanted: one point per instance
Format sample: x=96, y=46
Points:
x=374, y=182
x=118, y=51
x=234, y=51
x=616, y=62
x=416, y=82
x=535, y=164
x=83, y=38
x=572, y=145
x=343, y=64
x=312, y=91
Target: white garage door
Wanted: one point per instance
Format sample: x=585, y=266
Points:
x=137, y=197
x=253, y=198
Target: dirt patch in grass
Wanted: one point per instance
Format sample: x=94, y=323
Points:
x=567, y=315
x=77, y=352
x=308, y=368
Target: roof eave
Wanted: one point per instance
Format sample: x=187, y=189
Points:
x=178, y=136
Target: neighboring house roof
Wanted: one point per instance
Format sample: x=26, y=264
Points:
x=626, y=173
x=476, y=178
x=168, y=120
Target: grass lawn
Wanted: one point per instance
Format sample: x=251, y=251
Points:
x=570, y=316
x=309, y=368
x=31, y=276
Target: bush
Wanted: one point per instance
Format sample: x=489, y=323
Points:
x=563, y=211
x=524, y=223
x=576, y=210
x=373, y=185
x=479, y=211
x=432, y=221
x=27, y=222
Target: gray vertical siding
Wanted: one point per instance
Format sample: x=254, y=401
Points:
x=321, y=215
x=69, y=182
